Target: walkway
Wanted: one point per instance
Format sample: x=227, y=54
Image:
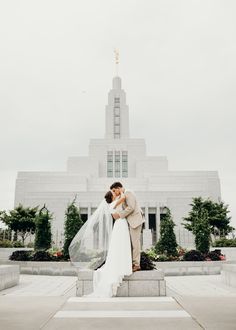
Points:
x=49, y=302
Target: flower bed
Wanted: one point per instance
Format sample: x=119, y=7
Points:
x=184, y=255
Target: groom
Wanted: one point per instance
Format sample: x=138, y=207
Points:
x=132, y=212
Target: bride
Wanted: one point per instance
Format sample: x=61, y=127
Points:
x=105, y=249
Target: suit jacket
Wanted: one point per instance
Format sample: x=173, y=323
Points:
x=132, y=211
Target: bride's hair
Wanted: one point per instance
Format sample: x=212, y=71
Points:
x=109, y=197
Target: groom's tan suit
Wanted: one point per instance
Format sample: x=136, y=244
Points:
x=132, y=212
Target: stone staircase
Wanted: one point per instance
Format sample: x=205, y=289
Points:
x=137, y=313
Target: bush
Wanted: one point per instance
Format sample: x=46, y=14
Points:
x=73, y=223
x=5, y=243
x=193, y=255
x=21, y=255
x=43, y=235
x=17, y=244
x=146, y=263
x=152, y=253
x=225, y=242
x=42, y=256
x=9, y=244
x=202, y=231
x=167, y=243
x=162, y=257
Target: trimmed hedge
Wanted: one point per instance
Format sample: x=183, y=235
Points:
x=225, y=242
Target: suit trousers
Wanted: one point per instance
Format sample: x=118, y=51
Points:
x=135, y=235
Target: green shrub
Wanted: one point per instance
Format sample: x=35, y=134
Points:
x=72, y=224
x=5, y=243
x=202, y=231
x=152, y=253
x=193, y=255
x=162, y=257
x=21, y=255
x=225, y=242
x=10, y=244
x=17, y=244
x=42, y=256
x=43, y=235
x=167, y=243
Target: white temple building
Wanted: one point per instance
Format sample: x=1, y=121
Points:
x=118, y=157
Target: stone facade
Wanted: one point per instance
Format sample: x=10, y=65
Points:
x=117, y=157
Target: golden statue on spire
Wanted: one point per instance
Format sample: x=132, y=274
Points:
x=117, y=56
x=117, y=59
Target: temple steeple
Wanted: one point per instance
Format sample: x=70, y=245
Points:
x=117, y=112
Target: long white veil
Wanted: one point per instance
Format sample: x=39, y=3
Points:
x=88, y=249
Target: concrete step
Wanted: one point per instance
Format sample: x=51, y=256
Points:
x=116, y=313
x=122, y=303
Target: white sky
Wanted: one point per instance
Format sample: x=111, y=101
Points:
x=178, y=67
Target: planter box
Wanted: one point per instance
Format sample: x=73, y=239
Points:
x=180, y=268
x=6, y=252
x=9, y=276
x=63, y=268
x=228, y=274
x=139, y=284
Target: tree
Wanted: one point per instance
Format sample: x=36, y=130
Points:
x=73, y=223
x=21, y=220
x=202, y=231
x=217, y=216
x=43, y=235
x=167, y=243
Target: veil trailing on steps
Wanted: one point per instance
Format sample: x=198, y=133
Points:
x=88, y=249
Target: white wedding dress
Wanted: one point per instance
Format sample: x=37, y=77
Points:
x=118, y=263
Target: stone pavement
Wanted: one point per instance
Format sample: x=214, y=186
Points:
x=126, y=313
x=49, y=302
x=206, y=299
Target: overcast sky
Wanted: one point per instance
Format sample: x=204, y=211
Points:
x=178, y=68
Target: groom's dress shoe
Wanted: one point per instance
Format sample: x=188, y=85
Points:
x=136, y=268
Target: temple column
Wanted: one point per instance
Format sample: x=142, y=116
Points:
x=146, y=217
x=158, y=222
x=89, y=210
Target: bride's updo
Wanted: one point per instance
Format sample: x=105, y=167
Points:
x=109, y=197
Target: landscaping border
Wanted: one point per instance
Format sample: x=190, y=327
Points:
x=170, y=268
